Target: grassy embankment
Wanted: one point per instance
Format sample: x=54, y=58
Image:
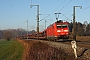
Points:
x=10, y=50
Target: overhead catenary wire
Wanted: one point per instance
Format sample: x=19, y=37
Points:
x=31, y=2
x=29, y=14
x=66, y=17
x=84, y=8
x=45, y=17
x=29, y=11
x=57, y=8
x=65, y=5
x=85, y=2
x=78, y=11
x=52, y=13
x=63, y=8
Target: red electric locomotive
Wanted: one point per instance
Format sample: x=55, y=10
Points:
x=58, y=30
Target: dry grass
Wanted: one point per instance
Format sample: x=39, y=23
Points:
x=35, y=50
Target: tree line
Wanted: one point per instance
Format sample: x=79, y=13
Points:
x=81, y=30
x=13, y=33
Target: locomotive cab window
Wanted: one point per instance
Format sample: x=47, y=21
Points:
x=59, y=26
x=62, y=26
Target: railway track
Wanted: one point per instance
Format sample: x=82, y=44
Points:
x=80, y=43
x=85, y=44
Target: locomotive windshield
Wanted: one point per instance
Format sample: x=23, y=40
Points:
x=62, y=26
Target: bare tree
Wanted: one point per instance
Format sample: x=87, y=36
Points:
x=7, y=35
x=85, y=25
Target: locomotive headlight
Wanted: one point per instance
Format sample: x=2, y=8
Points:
x=58, y=30
x=66, y=33
x=65, y=30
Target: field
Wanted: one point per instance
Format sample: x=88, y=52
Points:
x=10, y=50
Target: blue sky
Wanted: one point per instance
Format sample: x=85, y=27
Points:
x=14, y=13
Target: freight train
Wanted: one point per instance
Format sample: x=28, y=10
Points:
x=57, y=30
